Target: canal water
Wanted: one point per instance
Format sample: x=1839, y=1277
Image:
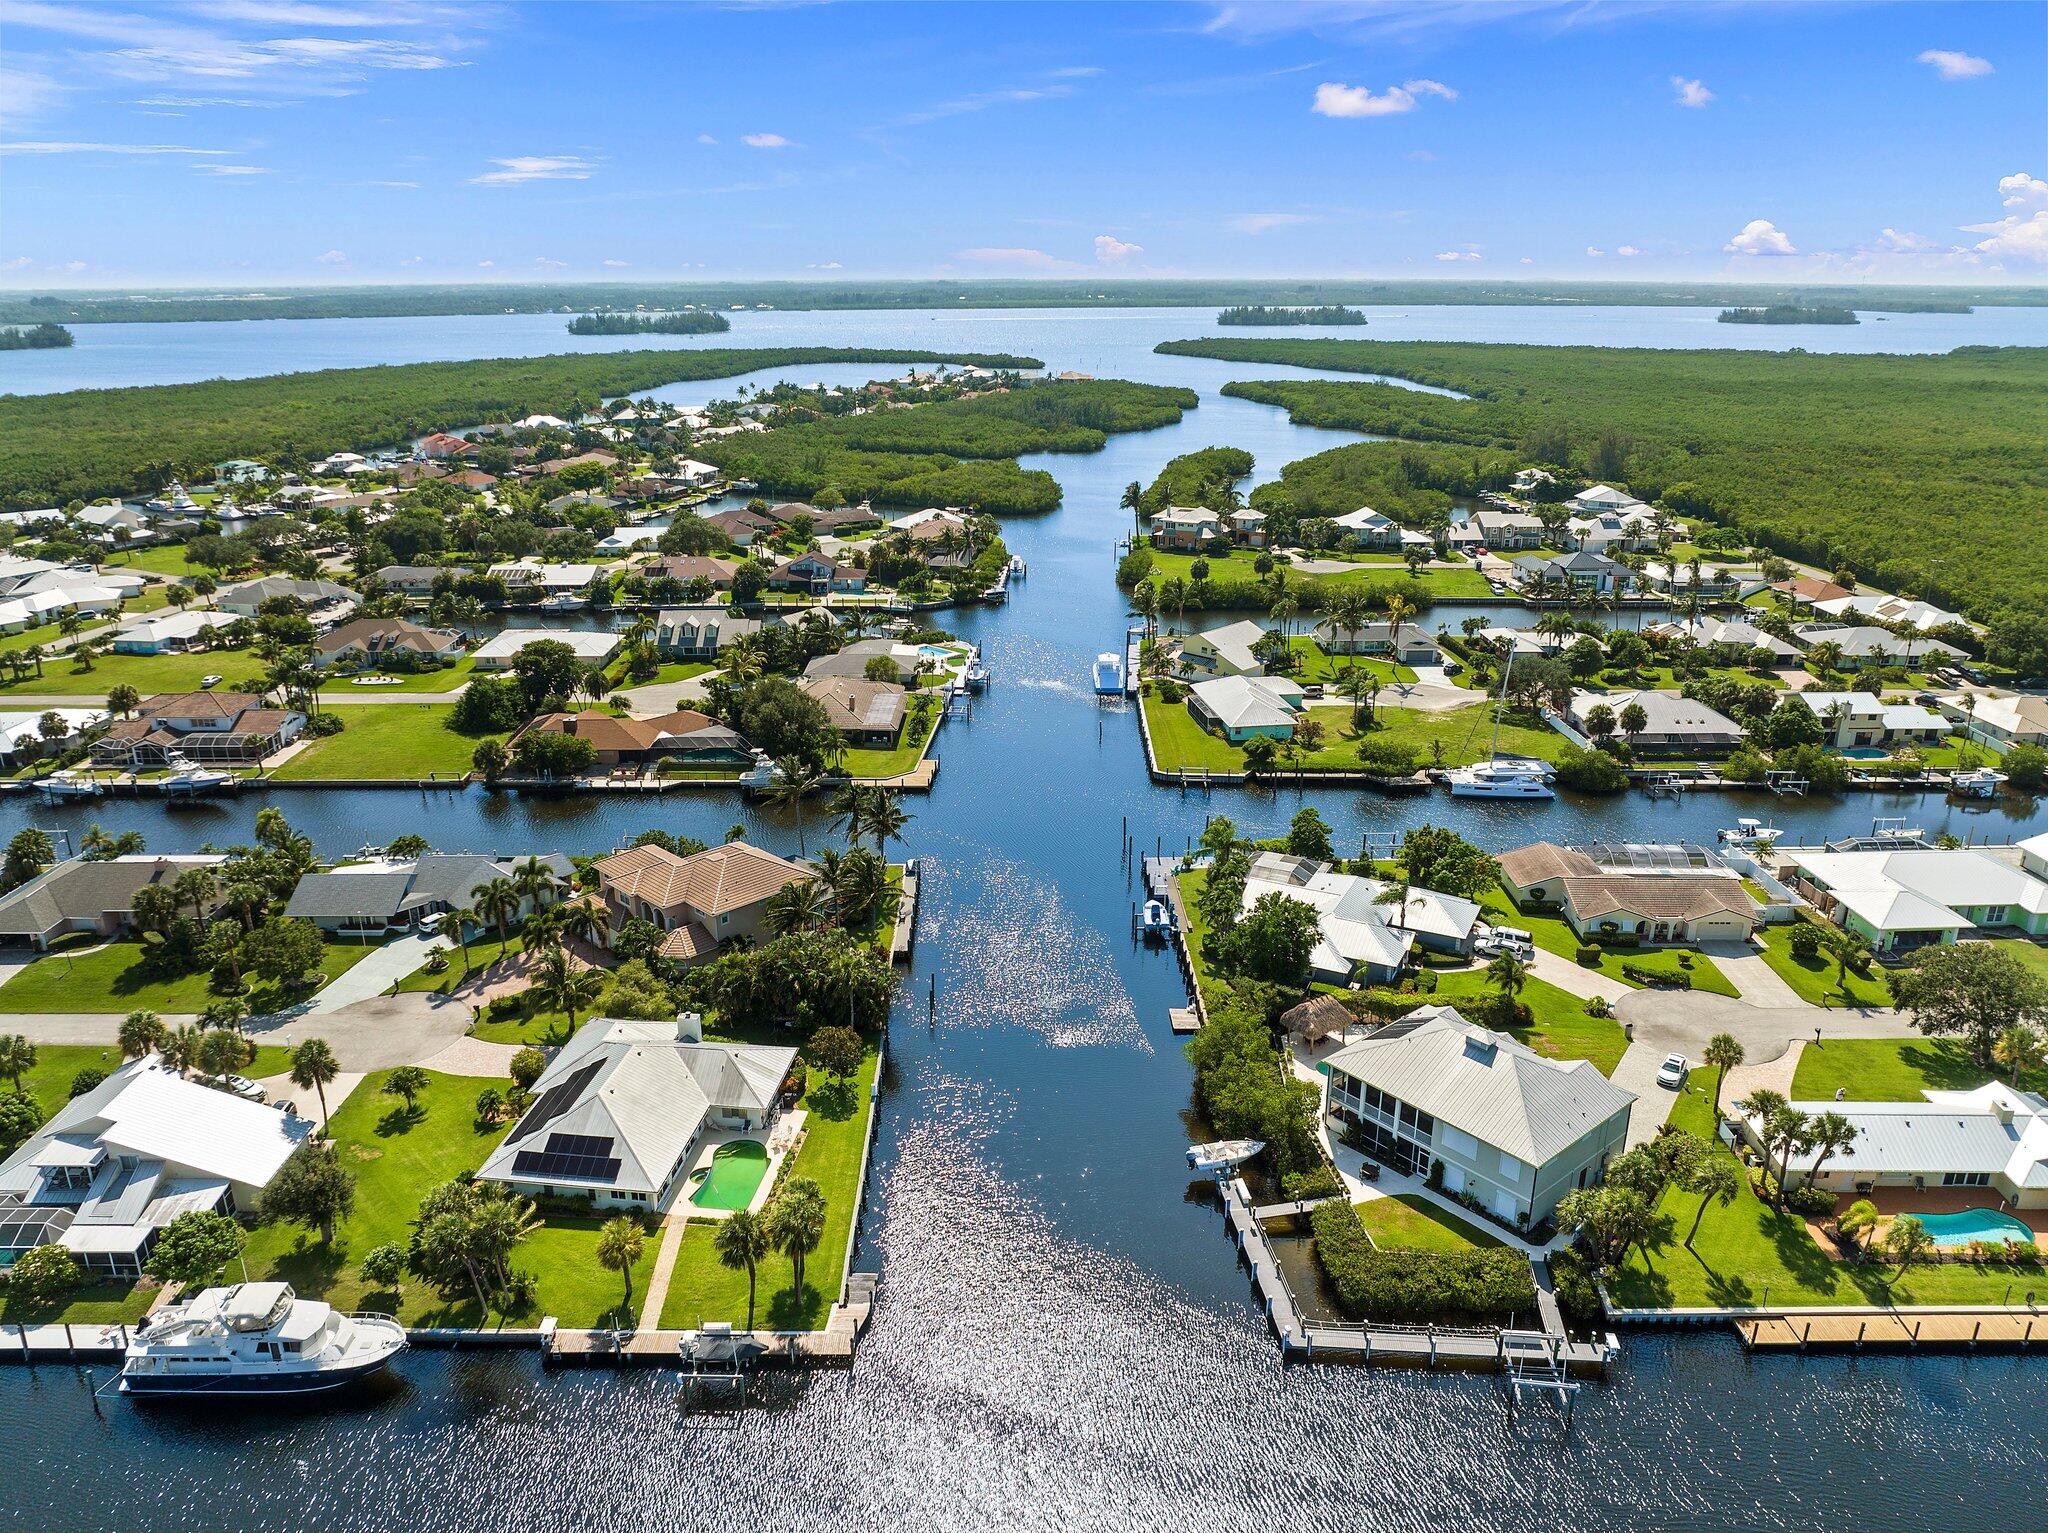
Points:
x=1063, y=1339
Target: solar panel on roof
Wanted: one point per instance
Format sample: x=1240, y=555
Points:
x=554, y=1101
x=582, y=1157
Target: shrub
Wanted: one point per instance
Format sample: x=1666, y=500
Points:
x=323, y=724
x=1636, y=974
x=44, y=1273
x=1589, y=955
x=1416, y=1286
x=1805, y=941
x=1590, y=771
x=1810, y=1202
x=1322, y=1182
x=86, y=1079
x=1571, y=1276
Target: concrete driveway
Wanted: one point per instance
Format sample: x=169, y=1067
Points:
x=378, y=1033
x=667, y=696
x=371, y=976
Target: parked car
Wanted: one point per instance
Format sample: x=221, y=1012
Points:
x=209, y=682
x=1671, y=1074
x=242, y=1086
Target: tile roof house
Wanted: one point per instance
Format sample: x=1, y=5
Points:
x=744, y=527
x=442, y=445
x=683, y=734
x=79, y=895
x=216, y=727
x=118, y=1162
x=684, y=568
x=370, y=641
x=627, y=1108
x=2018, y=719
x=1434, y=1094
x=710, y=897
x=1653, y=904
x=868, y=714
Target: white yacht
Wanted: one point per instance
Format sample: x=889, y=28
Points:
x=184, y=775
x=69, y=787
x=1109, y=674
x=1501, y=777
x=256, y=1339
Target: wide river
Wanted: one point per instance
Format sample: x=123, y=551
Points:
x=1063, y=1340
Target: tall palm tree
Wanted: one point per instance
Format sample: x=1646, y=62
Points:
x=571, y=990
x=196, y=885
x=1724, y=1052
x=1508, y=972
x=888, y=820
x=1399, y=610
x=17, y=1058
x=313, y=1066
x=497, y=902
x=619, y=1244
x=181, y=1048
x=142, y=1032
x=799, y=906
x=850, y=808
x=795, y=782
x=535, y=881
x=585, y=921
x=742, y=1241
x=462, y=919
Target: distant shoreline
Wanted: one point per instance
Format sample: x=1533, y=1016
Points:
x=1789, y=314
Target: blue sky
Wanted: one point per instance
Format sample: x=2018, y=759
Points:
x=240, y=141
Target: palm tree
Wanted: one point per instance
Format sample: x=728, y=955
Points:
x=1350, y=611
x=497, y=902
x=1717, y=1178
x=1399, y=610
x=887, y=820
x=619, y=1244
x=571, y=990
x=142, y=1032
x=2018, y=1048
x=1724, y=1052
x=1145, y=602
x=1826, y=1133
x=798, y=906
x=17, y=1058
x=313, y=1067
x=462, y=920
x=535, y=881
x=196, y=885
x=1134, y=500
x=796, y=1222
x=1508, y=972
x=181, y=1048
x=584, y=920
x=742, y=1240
x=850, y=811
x=795, y=781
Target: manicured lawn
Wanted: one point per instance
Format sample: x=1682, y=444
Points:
x=1817, y=980
x=1560, y=1026
x=114, y=979
x=45, y=634
x=336, y=690
x=916, y=741
x=1891, y=1069
x=665, y=674
x=1553, y=935
x=2031, y=954
x=160, y=560
x=1313, y=664
x=570, y=1283
x=108, y=1303
x=1180, y=744
x=1749, y=1254
x=148, y=674
x=1238, y=565
x=1661, y=678
x=1407, y=1220
x=701, y=1289
x=385, y=740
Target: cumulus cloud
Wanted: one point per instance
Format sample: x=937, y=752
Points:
x=1953, y=65
x=2014, y=238
x=548, y=263
x=332, y=257
x=1761, y=237
x=1595, y=250
x=1467, y=254
x=521, y=168
x=765, y=141
x=1904, y=242
x=706, y=138
x=610, y=262
x=1627, y=250
x=487, y=265
x=413, y=260
x=1259, y=223
x=2020, y=190
x=1692, y=93
x=1011, y=255
x=822, y=266
x=1109, y=249
x=1336, y=100
x=19, y=263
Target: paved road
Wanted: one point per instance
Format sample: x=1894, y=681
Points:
x=329, y=696
x=1586, y=984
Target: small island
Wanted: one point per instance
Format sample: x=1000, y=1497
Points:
x=1268, y=314
x=33, y=337
x=1789, y=314
x=683, y=322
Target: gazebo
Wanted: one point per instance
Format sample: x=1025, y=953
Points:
x=1319, y=1017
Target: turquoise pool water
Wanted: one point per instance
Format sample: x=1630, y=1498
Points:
x=1986, y=1224
x=1864, y=753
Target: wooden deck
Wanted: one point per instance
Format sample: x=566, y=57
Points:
x=1958, y=1330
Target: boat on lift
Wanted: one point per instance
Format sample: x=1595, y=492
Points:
x=1981, y=782
x=1155, y=920
x=1749, y=832
x=1109, y=674
x=1222, y=1155
x=256, y=1339
x=976, y=675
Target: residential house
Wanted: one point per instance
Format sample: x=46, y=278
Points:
x=811, y=572
x=416, y=581
x=1241, y=708
x=2002, y=721
x=1715, y=582
x=373, y=900
x=1604, y=500
x=80, y=895
x=497, y=652
x=683, y=734
x=1225, y=651
x=1528, y=481
x=22, y=735
x=369, y=642
x=624, y=1112
x=710, y=897
x=1416, y=646
x=1905, y=898
x=1509, y=530
x=1954, y=1150
x=1809, y=589
x=699, y=633
x=1864, y=647
x=1367, y=529
x=853, y=659
x=528, y=580
x=325, y=601
x=1857, y=720
x=1248, y=527
x=171, y=632
x=1674, y=725
x=1892, y=611
x=744, y=527
x=1727, y=633
x=213, y=728
x=695, y=475
x=1186, y=529
x=687, y=569
x=120, y=1161
x=1365, y=932
x=1676, y=903
x=1581, y=572
x=869, y=715
x=1436, y=1097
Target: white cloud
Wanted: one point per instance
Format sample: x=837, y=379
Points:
x=1012, y=255
x=1952, y=65
x=332, y=258
x=26, y=93
x=522, y=168
x=706, y=138
x=822, y=266
x=410, y=186
x=19, y=263
x=2015, y=238
x=1761, y=237
x=487, y=265
x=1627, y=250
x=1422, y=156
x=1692, y=93
x=72, y=146
x=1595, y=250
x=548, y=263
x=74, y=266
x=1334, y=100
x=212, y=169
x=1078, y=72
x=2019, y=190
x=1467, y=254
x=765, y=141
x=413, y=261
x=1109, y=249
x=1902, y=242
x=1528, y=260
x=1259, y=223
x=615, y=263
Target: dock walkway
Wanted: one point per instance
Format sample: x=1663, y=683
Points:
x=1896, y=1331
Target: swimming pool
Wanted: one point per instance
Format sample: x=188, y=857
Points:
x=1865, y=753
x=734, y=1177
x=1989, y=1225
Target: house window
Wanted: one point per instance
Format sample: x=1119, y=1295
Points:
x=1966, y=1178
x=1994, y=915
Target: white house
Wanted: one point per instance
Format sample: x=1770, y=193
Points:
x=1856, y=720
x=1504, y=1125
x=1367, y=528
x=1416, y=646
x=496, y=653
x=1364, y=934
x=116, y=1164
x=1902, y=899
x=167, y=632
x=1225, y=651
x=625, y=1110
x=1241, y=708
x=2001, y=721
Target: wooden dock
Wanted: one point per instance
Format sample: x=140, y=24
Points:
x=903, y=940
x=1955, y=1330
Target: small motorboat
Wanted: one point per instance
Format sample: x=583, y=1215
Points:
x=187, y=776
x=69, y=787
x=976, y=675
x=1982, y=782
x=1155, y=920
x=1222, y=1154
x=1749, y=832
x=1109, y=674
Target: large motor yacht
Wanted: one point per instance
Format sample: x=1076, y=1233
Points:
x=256, y=1339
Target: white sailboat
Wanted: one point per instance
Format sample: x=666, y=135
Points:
x=1512, y=777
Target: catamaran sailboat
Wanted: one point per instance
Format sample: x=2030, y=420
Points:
x=1496, y=776
x=256, y=1339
